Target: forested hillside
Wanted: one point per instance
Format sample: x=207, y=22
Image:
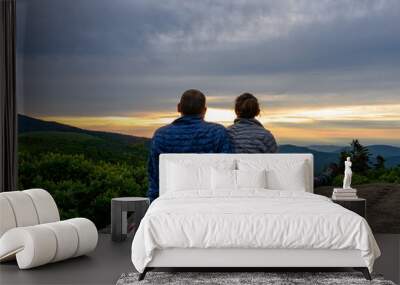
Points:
x=82, y=169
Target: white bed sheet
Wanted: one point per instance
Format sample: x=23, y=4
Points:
x=253, y=218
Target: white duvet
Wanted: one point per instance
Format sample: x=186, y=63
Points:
x=250, y=219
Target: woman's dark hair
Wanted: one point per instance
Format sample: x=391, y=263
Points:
x=246, y=106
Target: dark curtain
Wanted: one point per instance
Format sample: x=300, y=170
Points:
x=8, y=108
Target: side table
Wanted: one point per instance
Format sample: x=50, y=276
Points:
x=358, y=206
x=126, y=214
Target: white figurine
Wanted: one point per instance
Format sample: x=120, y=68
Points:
x=347, y=174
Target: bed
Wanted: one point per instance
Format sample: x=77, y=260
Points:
x=246, y=211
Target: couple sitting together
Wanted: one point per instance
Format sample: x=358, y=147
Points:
x=192, y=134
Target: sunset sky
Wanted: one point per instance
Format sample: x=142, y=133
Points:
x=325, y=72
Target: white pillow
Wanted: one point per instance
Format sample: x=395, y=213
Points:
x=183, y=178
x=251, y=178
x=281, y=174
x=186, y=175
x=227, y=179
x=293, y=180
x=223, y=179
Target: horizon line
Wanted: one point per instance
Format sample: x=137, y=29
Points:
x=285, y=142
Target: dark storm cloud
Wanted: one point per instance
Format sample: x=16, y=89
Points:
x=120, y=56
x=218, y=36
x=88, y=27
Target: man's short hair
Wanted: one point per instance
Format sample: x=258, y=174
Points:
x=193, y=102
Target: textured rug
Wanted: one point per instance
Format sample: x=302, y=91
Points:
x=231, y=278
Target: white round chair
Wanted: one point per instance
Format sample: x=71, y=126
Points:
x=31, y=231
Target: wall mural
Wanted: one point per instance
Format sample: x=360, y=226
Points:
x=92, y=92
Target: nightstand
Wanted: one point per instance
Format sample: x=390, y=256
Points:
x=126, y=214
x=358, y=206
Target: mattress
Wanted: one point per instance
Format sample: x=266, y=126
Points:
x=250, y=219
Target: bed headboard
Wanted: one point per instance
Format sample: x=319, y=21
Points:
x=205, y=159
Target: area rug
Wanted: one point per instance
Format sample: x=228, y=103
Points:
x=269, y=278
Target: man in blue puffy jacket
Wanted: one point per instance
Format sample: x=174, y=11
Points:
x=190, y=133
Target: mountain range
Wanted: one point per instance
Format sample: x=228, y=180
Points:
x=28, y=124
x=40, y=135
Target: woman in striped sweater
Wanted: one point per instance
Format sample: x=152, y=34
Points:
x=248, y=135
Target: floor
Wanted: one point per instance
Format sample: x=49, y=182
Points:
x=110, y=260
x=389, y=262
x=104, y=266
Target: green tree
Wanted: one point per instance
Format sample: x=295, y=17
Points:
x=80, y=186
x=359, y=155
x=380, y=162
